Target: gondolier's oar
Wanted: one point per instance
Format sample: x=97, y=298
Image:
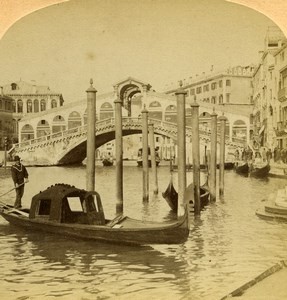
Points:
x=16, y=187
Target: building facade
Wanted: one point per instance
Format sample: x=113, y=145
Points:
x=269, y=82
x=29, y=98
x=7, y=127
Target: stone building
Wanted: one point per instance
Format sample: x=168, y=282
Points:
x=7, y=127
x=268, y=90
x=281, y=93
x=29, y=98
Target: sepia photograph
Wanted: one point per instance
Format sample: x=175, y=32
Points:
x=143, y=149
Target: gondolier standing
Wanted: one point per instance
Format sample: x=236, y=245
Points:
x=20, y=177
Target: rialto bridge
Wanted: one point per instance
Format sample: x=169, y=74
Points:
x=58, y=136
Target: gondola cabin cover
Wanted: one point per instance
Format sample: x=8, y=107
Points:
x=67, y=204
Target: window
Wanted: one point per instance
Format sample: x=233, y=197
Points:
x=213, y=85
x=29, y=106
x=228, y=98
x=14, y=106
x=198, y=90
x=36, y=105
x=44, y=207
x=220, y=83
x=191, y=92
x=20, y=106
x=53, y=103
x=228, y=82
x=43, y=105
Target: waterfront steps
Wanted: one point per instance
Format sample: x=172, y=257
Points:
x=275, y=207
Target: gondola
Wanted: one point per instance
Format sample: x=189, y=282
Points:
x=228, y=165
x=171, y=196
x=66, y=210
x=241, y=169
x=140, y=159
x=107, y=162
x=259, y=171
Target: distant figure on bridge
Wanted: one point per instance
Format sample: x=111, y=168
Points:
x=19, y=177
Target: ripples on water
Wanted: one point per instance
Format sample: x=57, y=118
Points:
x=227, y=247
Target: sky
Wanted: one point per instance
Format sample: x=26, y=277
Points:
x=158, y=42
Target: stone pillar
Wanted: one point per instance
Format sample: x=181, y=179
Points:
x=145, y=154
x=153, y=160
x=180, y=100
x=222, y=120
x=119, y=156
x=91, y=113
x=213, y=156
x=195, y=156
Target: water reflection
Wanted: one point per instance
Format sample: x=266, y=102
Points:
x=92, y=261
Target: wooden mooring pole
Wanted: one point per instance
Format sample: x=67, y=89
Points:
x=152, y=155
x=119, y=156
x=213, y=156
x=222, y=120
x=180, y=100
x=195, y=156
x=91, y=118
x=145, y=154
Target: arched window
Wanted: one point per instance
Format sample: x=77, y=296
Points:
x=29, y=106
x=53, y=103
x=19, y=106
x=74, y=120
x=106, y=111
x=239, y=129
x=14, y=106
x=36, y=105
x=0, y=104
x=27, y=133
x=43, y=105
x=170, y=114
x=155, y=110
x=43, y=128
x=58, y=124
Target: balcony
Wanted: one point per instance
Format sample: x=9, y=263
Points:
x=282, y=95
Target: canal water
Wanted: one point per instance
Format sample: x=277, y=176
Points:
x=227, y=247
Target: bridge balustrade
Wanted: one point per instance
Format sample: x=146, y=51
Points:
x=102, y=125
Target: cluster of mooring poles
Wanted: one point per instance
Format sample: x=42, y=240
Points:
x=148, y=138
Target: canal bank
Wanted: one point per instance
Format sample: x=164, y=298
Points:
x=270, y=285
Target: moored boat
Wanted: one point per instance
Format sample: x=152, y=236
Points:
x=171, y=196
x=140, y=160
x=241, y=168
x=107, y=162
x=67, y=210
x=260, y=171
